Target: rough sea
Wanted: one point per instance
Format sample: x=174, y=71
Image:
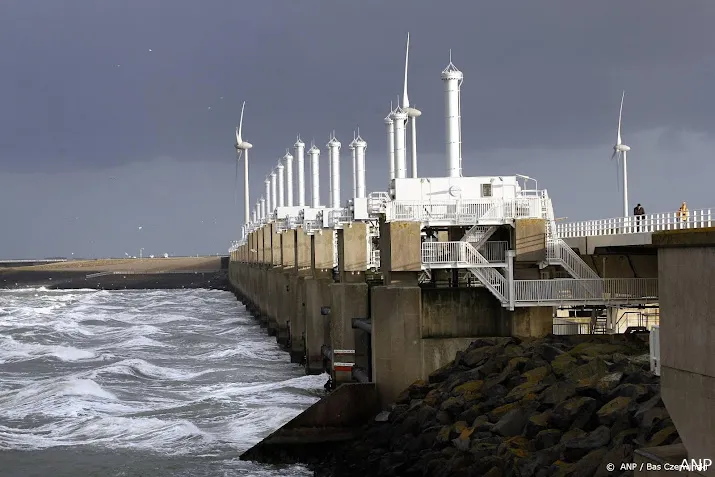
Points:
x=140, y=383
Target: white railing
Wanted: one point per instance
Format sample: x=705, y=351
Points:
x=338, y=217
x=459, y=254
x=571, y=290
x=692, y=219
x=375, y=259
x=462, y=212
x=376, y=202
x=312, y=226
x=558, y=251
x=489, y=276
x=478, y=235
x=495, y=252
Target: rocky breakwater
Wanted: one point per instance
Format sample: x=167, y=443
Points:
x=559, y=406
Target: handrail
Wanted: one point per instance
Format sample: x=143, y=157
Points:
x=628, y=290
x=693, y=219
x=464, y=212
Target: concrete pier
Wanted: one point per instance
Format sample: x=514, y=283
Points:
x=333, y=315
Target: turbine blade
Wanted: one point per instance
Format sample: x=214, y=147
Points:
x=618, y=173
x=614, y=154
x=620, y=113
x=240, y=125
x=405, y=99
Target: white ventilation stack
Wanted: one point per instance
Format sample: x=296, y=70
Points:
x=274, y=191
x=281, y=185
x=267, y=182
x=399, y=117
x=391, y=143
x=314, y=154
x=452, y=78
x=255, y=214
x=288, y=159
x=334, y=155
x=360, y=146
x=300, y=156
x=352, y=155
x=263, y=208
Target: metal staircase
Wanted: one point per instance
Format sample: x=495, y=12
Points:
x=490, y=276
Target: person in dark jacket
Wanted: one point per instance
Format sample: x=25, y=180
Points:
x=639, y=212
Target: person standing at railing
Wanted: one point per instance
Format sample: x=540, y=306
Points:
x=683, y=212
x=639, y=212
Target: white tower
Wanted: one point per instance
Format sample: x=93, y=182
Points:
x=619, y=152
x=242, y=148
x=288, y=159
x=314, y=154
x=352, y=156
x=263, y=208
x=391, y=142
x=452, y=78
x=412, y=113
x=269, y=209
x=360, y=146
x=274, y=191
x=399, y=117
x=281, y=184
x=300, y=156
x=334, y=155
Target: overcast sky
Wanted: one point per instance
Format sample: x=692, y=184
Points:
x=120, y=115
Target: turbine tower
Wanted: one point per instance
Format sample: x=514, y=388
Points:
x=412, y=113
x=391, y=141
x=314, y=154
x=619, y=153
x=300, y=156
x=452, y=78
x=242, y=148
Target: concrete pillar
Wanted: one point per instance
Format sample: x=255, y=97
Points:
x=349, y=298
x=276, y=258
x=400, y=252
x=395, y=310
x=317, y=331
x=302, y=250
x=317, y=299
x=686, y=272
x=396, y=340
x=530, y=240
x=531, y=322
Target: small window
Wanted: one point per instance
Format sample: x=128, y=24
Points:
x=486, y=190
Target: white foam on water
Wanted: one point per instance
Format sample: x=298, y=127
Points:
x=177, y=372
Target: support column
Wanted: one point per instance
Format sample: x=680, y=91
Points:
x=396, y=311
x=317, y=299
x=297, y=297
x=349, y=298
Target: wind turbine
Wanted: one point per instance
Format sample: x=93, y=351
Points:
x=242, y=148
x=619, y=153
x=412, y=113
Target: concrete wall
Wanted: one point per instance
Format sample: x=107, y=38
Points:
x=686, y=273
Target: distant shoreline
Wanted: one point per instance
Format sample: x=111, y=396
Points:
x=120, y=274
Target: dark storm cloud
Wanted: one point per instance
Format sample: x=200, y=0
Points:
x=81, y=89
x=81, y=92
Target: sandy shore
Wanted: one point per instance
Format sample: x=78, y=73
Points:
x=129, y=264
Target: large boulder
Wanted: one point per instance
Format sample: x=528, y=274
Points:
x=558, y=406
